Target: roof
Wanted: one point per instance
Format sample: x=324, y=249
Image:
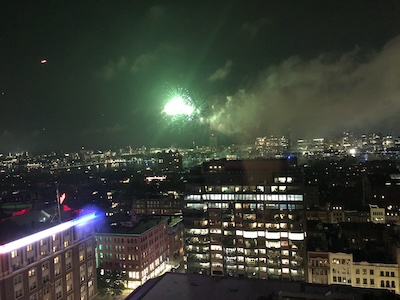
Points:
x=136, y=229
x=177, y=286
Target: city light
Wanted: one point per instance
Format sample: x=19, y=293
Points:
x=6, y=248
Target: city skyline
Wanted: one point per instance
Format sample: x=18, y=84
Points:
x=98, y=74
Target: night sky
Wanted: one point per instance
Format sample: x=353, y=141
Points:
x=256, y=67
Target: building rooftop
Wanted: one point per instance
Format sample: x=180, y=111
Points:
x=176, y=286
x=174, y=220
x=29, y=223
x=138, y=228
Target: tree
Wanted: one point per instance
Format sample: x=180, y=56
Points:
x=111, y=283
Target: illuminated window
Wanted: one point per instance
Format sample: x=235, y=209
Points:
x=69, y=287
x=31, y=272
x=14, y=253
x=45, y=266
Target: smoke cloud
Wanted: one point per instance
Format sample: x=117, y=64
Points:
x=320, y=96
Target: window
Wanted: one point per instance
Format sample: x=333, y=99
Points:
x=19, y=293
x=58, y=283
x=46, y=278
x=392, y=274
x=17, y=279
x=46, y=290
x=334, y=279
x=31, y=272
x=33, y=297
x=45, y=266
x=357, y=280
x=365, y=281
x=56, y=260
x=14, y=253
x=382, y=283
x=69, y=287
x=68, y=276
x=32, y=286
x=371, y=272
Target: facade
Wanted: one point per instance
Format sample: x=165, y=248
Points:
x=168, y=204
x=175, y=240
x=53, y=261
x=339, y=268
x=169, y=161
x=245, y=219
x=271, y=145
x=139, y=249
x=377, y=214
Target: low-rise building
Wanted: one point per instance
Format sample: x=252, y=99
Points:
x=340, y=268
x=138, y=249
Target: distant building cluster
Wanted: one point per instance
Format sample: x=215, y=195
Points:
x=315, y=215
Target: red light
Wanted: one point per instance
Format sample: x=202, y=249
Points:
x=43, y=61
x=21, y=212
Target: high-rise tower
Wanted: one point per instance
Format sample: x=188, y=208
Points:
x=245, y=219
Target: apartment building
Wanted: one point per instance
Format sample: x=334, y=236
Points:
x=44, y=259
x=245, y=219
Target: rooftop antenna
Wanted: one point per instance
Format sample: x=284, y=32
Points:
x=57, y=213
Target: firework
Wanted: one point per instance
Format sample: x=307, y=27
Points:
x=181, y=107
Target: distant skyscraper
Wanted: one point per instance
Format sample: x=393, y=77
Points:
x=213, y=142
